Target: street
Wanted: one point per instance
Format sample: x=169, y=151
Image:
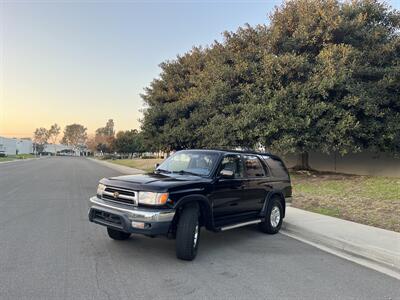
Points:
x=49, y=250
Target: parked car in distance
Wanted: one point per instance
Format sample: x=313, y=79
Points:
x=192, y=189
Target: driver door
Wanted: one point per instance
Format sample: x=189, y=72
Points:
x=228, y=192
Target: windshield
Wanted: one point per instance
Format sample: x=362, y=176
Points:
x=190, y=162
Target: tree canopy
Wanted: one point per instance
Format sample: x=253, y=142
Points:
x=40, y=138
x=74, y=135
x=323, y=75
x=104, y=137
x=129, y=142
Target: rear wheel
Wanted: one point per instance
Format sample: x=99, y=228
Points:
x=273, y=218
x=117, y=235
x=188, y=233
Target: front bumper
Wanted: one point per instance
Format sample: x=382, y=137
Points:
x=121, y=216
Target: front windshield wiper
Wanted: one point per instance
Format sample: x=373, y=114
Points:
x=163, y=171
x=181, y=172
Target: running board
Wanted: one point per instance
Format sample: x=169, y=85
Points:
x=240, y=225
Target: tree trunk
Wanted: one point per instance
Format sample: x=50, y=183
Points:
x=303, y=162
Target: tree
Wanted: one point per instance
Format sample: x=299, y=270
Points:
x=53, y=133
x=129, y=142
x=74, y=135
x=104, y=138
x=91, y=143
x=343, y=101
x=40, y=138
x=323, y=75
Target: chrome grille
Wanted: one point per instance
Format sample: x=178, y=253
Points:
x=120, y=195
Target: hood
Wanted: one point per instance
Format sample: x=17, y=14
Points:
x=153, y=182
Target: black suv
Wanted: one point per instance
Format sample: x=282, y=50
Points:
x=217, y=189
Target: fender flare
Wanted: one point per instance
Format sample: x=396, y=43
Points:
x=268, y=198
x=204, y=205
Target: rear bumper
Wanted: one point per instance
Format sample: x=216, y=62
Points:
x=120, y=217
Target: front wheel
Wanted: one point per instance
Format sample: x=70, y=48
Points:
x=273, y=218
x=117, y=235
x=188, y=233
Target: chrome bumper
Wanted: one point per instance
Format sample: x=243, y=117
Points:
x=132, y=213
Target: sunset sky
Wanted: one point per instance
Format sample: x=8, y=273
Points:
x=86, y=62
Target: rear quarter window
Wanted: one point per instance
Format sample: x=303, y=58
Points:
x=253, y=166
x=277, y=167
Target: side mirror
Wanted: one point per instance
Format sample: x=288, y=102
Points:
x=227, y=173
x=156, y=165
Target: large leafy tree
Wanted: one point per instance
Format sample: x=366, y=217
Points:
x=323, y=75
x=349, y=97
x=104, y=137
x=74, y=135
x=53, y=133
x=129, y=142
x=40, y=139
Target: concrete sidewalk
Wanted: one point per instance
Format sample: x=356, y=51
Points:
x=122, y=169
x=370, y=246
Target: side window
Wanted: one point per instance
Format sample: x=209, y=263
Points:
x=277, y=167
x=232, y=163
x=253, y=166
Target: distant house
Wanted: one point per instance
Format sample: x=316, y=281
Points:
x=13, y=146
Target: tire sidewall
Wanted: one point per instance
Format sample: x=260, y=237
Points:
x=266, y=225
x=186, y=248
x=117, y=235
x=195, y=247
x=274, y=203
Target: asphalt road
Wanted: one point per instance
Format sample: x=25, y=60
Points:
x=49, y=250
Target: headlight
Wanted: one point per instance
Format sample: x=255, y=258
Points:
x=100, y=189
x=151, y=198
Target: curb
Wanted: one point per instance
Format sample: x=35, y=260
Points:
x=19, y=159
x=378, y=259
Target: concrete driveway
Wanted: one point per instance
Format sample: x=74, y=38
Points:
x=49, y=250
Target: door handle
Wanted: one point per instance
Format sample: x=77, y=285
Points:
x=233, y=204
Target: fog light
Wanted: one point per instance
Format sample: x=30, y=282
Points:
x=138, y=225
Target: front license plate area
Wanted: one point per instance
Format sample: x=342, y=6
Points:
x=106, y=217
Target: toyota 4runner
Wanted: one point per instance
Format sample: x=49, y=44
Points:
x=215, y=189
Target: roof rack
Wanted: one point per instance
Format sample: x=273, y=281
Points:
x=237, y=151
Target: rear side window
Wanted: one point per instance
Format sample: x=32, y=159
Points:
x=253, y=166
x=277, y=167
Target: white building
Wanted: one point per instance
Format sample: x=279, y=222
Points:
x=24, y=146
x=13, y=146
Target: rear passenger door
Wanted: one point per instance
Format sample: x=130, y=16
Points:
x=257, y=184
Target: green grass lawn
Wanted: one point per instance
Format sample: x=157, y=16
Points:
x=15, y=157
x=138, y=163
x=369, y=200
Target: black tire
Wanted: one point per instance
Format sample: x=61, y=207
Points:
x=187, y=241
x=271, y=225
x=117, y=235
